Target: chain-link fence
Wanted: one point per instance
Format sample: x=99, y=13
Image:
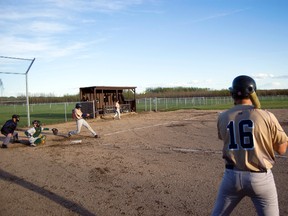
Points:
x=51, y=113
x=162, y=104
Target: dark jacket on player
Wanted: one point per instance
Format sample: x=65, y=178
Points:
x=9, y=127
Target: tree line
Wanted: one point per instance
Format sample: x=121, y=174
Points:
x=159, y=92
x=201, y=92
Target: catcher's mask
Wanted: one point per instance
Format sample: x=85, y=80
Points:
x=78, y=105
x=242, y=87
x=37, y=123
x=17, y=117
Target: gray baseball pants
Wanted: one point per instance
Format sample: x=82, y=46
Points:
x=235, y=185
x=10, y=136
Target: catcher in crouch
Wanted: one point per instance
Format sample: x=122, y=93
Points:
x=34, y=133
x=80, y=121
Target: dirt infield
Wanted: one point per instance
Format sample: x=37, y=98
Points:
x=166, y=163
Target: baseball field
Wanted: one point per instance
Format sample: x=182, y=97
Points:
x=151, y=163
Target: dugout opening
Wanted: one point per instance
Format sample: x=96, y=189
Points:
x=103, y=99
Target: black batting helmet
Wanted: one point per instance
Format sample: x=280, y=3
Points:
x=242, y=87
x=17, y=117
x=78, y=105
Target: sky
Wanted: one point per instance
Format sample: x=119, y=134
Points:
x=141, y=43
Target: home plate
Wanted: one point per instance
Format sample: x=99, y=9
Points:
x=76, y=141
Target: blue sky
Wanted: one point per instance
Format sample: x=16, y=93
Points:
x=142, y=43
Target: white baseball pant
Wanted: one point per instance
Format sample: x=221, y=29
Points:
x=80, y=123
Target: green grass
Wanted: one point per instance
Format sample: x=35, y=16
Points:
x=269, y=104
x=61, y=112
x=264, y=105
x=46, y=113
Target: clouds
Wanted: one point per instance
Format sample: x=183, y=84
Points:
x=143, y=43
x=267, y=76
x=269, y=81
x=219, y=15
x=28, y=32
x=82, y=6
x=54, y=27
x=43, y=27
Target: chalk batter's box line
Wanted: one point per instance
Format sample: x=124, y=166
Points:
x=139, y=128
x=175, y=149
x=167, y=123
x=145, y=127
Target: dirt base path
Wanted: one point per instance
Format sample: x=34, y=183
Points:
x=144, y=164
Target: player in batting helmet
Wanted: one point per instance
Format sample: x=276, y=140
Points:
x=78, y=105
x=251, y=136
x=242, y=86
x=245, y=87
x=79, y=117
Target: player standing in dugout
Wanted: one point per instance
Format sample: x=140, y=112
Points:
x=250, y=136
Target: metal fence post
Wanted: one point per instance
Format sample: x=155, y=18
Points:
x=65, y=111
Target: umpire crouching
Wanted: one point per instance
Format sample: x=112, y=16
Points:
x=8, y=130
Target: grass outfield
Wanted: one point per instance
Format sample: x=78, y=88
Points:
x=264, y=105
x=46, y=113
x=61, y=112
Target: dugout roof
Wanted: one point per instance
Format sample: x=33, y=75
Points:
x=109, y=87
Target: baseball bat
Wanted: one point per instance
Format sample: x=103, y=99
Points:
x=254, y=98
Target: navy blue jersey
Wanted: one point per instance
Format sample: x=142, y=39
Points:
x=9, y=127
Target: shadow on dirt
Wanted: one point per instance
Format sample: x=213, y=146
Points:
x=72, y=206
